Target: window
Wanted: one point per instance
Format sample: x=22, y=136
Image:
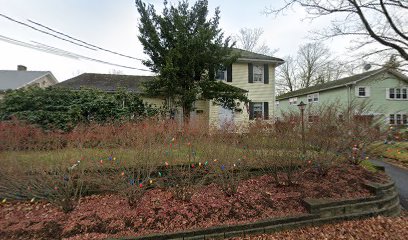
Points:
x=293, y=101
x=392, y=119
x=258, y=73
x=313, y=98
x=312, y=118
x=392, y=94
x=362, y=92
x=397, y=93
x=258, y=110
x=398, y=119
x=221, y=75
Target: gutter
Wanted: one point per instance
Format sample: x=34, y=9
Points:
x=277, y=62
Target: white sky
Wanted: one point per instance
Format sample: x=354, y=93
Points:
x=112, y=24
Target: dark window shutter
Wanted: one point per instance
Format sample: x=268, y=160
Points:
x=229, y=73
x=266, y=74
x=251, y=111
x=250, y=73
x=266, y=110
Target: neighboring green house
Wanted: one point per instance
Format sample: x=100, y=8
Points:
x=384, y=89
x=253, y=73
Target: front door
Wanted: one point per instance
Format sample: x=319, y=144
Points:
x=226, y=118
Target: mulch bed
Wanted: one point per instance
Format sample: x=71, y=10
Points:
x=377, y=228
x=101, y=216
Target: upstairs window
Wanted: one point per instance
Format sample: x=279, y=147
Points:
x=362, y=91
x=397, y=93
x=258, y=73
x=221, y=75
x=311, y=98
x=224, y=74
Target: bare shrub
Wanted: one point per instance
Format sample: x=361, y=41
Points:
x=58, y=185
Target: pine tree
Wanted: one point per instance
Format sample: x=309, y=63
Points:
x=185, y=50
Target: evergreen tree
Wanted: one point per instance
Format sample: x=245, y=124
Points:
x=185, y=50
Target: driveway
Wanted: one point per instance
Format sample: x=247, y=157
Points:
x=400, y=176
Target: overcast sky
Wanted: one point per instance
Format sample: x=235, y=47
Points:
x=112, y=25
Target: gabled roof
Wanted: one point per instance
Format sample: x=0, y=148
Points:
x=251, y=56
x=341, y=83
x=106, y=82
x=12, y=79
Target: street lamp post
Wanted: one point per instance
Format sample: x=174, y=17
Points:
x=302, y=107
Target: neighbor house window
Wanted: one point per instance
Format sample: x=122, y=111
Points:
x=362, y=92
x=398, y=119
x=292, y=101
x=398, y=93
x=392, y=119
x=313, y=98
x=258, y=110
x=312, y=118
x=258, y=73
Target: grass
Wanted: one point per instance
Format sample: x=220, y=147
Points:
x=397, y=151
x=369, y=166
x=99, y=158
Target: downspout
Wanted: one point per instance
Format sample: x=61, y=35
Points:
x=348, y=101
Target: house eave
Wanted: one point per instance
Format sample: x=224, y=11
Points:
x=254, y=60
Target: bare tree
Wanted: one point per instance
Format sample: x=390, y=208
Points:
x=311, y=59
x=286, y=76
x=382, y=24
x=116, y=72
x=250, y=39
x=312, y=65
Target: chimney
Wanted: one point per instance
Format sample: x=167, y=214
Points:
x=21, y=68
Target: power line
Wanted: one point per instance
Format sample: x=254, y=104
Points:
x=86, y=43
x=56, y=51
x=27, y=45
x=39, y=30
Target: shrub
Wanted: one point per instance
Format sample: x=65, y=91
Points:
x=57, y=108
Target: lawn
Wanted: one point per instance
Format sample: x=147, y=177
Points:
x=140, y=178
x=396, y=150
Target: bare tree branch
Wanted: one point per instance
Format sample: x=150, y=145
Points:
x=250, y=39
x=384, y=21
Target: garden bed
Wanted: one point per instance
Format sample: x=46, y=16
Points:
x=101, y=216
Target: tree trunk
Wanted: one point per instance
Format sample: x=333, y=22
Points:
x=186, y=114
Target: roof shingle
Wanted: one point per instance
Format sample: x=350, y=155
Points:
x=251, y=55
x=106, y=82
